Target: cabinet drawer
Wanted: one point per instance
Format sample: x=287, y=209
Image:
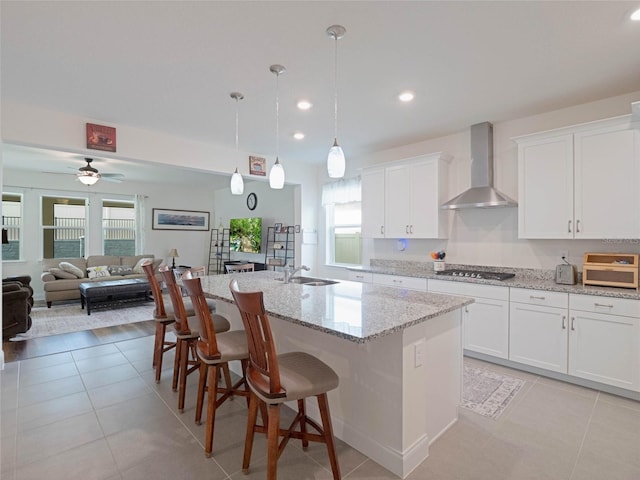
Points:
x=364, y=277
x=399, y=281
x=469, y=289
x=539, y=297
x=614, y=306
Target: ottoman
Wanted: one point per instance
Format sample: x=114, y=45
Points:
x=114, y=292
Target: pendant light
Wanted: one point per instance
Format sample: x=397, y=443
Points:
x=237, y=184
x=335, y=159
x=276, y=175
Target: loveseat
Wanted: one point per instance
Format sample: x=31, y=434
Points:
x=17, y=300
x=62, y=276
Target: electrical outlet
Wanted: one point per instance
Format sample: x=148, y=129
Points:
x=419, y=353
x=564, y=254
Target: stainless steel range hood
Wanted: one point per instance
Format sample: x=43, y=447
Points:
x=481, y=194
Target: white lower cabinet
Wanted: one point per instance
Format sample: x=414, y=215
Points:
x=362, y=277
x=538, y=328
x=485, y=323
x=604, y=340
x=399, y=281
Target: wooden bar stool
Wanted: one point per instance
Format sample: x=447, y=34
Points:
x=187, y=329
x=164, y=316
x=275, y=379
x=215, y=351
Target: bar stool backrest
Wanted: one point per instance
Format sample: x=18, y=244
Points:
x=156, y=290
x=263, y=371
x=207, y=343
x=179, y=312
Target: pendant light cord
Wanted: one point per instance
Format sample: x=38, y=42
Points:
x=237, y=124
x=335, y=92
x=277, y=117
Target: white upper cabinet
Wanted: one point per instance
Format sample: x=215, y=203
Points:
x=580, y=182
x=403, y=200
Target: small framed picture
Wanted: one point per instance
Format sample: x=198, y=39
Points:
x=291, y=229
x=257, y=166
x=101, y=137
x=297, y=228
x=277, y=227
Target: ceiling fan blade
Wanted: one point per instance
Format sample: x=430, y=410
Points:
x=112, y=179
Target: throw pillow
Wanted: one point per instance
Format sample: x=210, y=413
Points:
x=120, y=270
x=138, y=266
x=59, y=273
x=71, y=268
x=100, y=271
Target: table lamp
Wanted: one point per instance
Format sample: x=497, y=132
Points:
x=174, y=253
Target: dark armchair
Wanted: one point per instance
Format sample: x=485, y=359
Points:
x=17, y=300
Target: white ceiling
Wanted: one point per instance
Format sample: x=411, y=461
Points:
x=170, y=66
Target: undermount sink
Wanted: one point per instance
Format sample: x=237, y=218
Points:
x=315, y=282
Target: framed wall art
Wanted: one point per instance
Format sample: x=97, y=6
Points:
x=165, y=219
x=257, y=166
x=101, y=137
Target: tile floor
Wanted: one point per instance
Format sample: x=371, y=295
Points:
x=96, y=413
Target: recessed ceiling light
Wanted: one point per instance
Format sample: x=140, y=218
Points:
x=406, y=96
x=298, y=135
x=636, y=15
x=304, y=105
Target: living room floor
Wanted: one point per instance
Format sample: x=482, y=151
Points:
x=97, y=413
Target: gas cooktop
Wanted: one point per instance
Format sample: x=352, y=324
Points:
x=479, y=274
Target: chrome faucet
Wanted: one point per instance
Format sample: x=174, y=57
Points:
x=289, y=273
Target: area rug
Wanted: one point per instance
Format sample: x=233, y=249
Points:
x=488, y=393
x=71, y=318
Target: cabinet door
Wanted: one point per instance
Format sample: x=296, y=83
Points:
x=607, y=175
x=425, y=201
x=373, y=204
x=545, y=188
x=605, y=348
x=538, y=336
x=398, y=201
x=485, y=327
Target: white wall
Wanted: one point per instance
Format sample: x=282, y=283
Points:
x=486, y=236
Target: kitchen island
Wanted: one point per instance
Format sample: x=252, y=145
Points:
x=398, y=354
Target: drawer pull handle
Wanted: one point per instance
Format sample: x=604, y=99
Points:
x=577, y=226
x=602, y=305
x=573, y=323
x=382, y=229
x=533, y=297
x=569, y=227
x=564, y=319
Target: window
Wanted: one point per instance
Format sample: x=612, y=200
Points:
x=12, y=223
x=341, y=200
x=63, y=227
x=118, y=227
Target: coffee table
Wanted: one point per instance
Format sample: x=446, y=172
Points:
x=114, y=292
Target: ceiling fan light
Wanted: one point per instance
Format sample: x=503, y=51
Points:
x=335, y=161
x=237, y=184
x=276, y=176
x=89, y=178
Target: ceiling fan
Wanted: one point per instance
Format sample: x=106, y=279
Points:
x=89, y=175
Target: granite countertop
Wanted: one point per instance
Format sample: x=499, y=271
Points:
x=354, y=311
x=525, y=278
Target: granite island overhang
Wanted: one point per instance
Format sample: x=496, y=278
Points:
x=398, y=354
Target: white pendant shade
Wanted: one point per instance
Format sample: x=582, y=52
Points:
x=237, y=184
x=276, y=176
x=335, y=161
x=89, y=178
